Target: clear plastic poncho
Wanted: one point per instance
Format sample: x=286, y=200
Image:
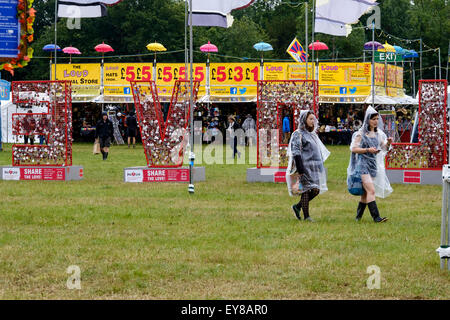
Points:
x=314, y=154
x=367, y=163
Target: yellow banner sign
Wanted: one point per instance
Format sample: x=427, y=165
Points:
x=234, y=79
x=168, y=73
x=345, y=73
x=78, y=74
x=117, y=76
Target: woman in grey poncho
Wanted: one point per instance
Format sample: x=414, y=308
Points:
x=306, y=173
x=369, y=147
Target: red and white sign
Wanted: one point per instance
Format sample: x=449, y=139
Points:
x=51, y=174
x=134, y=175
x=412, y=177
x=166, y=175
x=279, y=177
x=157, y=175
x=11, y=174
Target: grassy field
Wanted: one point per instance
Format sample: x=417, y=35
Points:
x=230, y=240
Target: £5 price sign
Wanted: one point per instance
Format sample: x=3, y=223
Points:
x=117, y=76
x=168, y=73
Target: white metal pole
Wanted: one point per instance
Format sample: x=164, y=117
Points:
x=444, y=218
x=191, y=102
x=373, y=65
x=439, y=52
x=56, y=33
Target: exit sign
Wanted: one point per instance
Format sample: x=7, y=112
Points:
x=387, y=56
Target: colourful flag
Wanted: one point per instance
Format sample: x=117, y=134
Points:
x=296, y=51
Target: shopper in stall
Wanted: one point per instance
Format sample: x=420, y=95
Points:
x=29, y=125
x=131, y=128
x=306, y=174
x=105, y=132
x=286, y=128
x=232, y=127
x=369, y=147
x=249, y=126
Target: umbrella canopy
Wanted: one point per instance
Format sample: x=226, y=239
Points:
x=372, y=45
x=410, y=54
x=51, y=48
x=103, y=48
x=71, y=50
x=399, y=50
x=209, y=47
x=387, y=48
x=156, y=47
x=317, y=46
x=263, y=46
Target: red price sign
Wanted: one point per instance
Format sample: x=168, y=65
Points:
x=234, y=73
x=167, y=74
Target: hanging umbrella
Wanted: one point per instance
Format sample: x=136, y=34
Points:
x=103, y=48
x=410, y=54
x=70, y=51
x=156, y=47
x=318, y=46
x=387, y=48
x=262, y=46
x=51, y=48
x=372, y=45
x=399, y=50
x=208, y=47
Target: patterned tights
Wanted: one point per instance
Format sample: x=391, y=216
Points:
x=305, y=199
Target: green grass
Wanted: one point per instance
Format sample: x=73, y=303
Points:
x=230, y=240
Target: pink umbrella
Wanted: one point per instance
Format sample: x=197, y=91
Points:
x=71, y=51
x=103, y=48
x=208, y=47
x=318, y=46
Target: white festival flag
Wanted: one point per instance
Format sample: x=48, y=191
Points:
x=216, y=13
x=336, y=16
x=84, y=8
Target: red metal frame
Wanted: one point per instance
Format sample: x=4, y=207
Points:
x=433, y=131
x=279, y=92
x=154, y=131
x=57, y=97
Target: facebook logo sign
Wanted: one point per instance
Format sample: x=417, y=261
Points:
x=343, y=90
x=127, y=90
x=233, y=90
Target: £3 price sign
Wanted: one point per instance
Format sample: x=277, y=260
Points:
x=163, y=141
x=234, y=78
x=56, y=124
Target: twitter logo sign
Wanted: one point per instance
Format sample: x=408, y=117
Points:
x=352, y=90
x=242, y=90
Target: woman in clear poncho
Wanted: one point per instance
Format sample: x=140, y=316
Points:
x=306, y=174
x=369, y=147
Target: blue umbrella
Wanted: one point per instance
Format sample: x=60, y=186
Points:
x=263, y=46
x=410, y=54
x=399, y=50
x=51, y=48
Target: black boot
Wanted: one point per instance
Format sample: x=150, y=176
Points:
x=103, y=153
x=106, y=155
x=360, y=210
x=297, y=210
x=374, y=212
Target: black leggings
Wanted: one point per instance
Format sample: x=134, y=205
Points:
x=305, y=199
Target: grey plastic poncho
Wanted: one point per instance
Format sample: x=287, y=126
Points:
x=313, y=153
x=367, y=163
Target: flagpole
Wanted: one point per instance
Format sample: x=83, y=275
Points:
x=312, y=38
x=373, y=65
x=306, y=37
x=56, y=33
x=191, y=103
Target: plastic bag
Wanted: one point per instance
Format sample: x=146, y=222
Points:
x=96, y=149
